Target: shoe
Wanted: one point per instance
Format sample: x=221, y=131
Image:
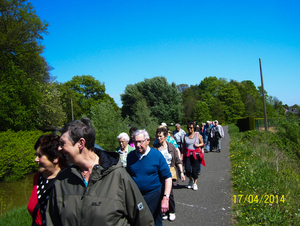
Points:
x=219, y=150
x=165, y=217
x=195, y=187
x=172, y=216
x=190, y=184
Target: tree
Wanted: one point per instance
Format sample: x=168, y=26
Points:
x=163, y=99
x=19, y=101
x=108, y=124
x=51, y=113
x=85, y=92
x=232, y=105
x=201, y=112
x=22, y=68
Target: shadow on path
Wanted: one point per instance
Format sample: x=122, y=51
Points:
x=211, y=204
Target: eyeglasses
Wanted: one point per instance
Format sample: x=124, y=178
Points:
x=140, y=141
x=190, y=127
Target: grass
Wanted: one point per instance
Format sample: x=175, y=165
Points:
x=266, y=179
x=17, y=217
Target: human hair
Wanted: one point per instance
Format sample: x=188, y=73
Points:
x=80, y=129
x=216, y=121
x=177, y=125
x=191, y=124
x=162, y=129
x=48, y=145
x=132, y=130
x=141, y=131
x=123, y=135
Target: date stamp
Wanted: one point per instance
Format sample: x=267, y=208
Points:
x=241, y=199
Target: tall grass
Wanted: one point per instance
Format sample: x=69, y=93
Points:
x=17, y=217
x=266, y=177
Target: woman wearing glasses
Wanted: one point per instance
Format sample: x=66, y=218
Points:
x=192, y=144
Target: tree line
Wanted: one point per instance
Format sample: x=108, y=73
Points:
x=31, y=98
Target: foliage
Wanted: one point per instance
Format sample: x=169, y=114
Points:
x=51, y=109
x=17, y=154
x=266, y=177
x=17, y=217
x=85, y=92
x=108, y=124
x=22, y=67
x=163, y=99
x=19, y=99
x=201, y=112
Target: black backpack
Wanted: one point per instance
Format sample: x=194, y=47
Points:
x=217, y=133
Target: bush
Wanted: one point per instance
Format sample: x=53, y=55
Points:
x=17, y=154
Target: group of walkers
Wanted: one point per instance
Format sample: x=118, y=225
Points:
x=80, y=184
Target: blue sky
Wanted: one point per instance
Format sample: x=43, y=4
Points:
x=125, y=42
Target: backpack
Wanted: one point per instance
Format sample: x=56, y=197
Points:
x=217, y=133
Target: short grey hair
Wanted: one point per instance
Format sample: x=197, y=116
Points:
x=177, y=124
x=141, y=131
x=123, y=135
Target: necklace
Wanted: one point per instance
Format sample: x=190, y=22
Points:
x=89, y=169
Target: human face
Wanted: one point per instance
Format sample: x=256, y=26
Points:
x=71, y=151
x=177, y=128
x=141, y=143
x=191, y=128
x=123, y=143
x=160, y=137
x=45, y=165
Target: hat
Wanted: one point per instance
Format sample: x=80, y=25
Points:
x=163, y=124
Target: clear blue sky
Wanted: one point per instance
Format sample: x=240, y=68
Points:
x=124, y=42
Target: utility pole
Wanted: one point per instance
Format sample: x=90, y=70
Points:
x=263, y=96
x=72, y=109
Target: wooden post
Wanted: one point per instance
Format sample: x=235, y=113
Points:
x=263, y=96
x=72, y=109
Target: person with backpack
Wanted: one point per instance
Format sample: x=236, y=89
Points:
x=217, y=133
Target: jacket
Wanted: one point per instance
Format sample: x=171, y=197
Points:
x=111, y=197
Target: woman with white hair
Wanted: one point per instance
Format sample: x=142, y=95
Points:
x=124, y=148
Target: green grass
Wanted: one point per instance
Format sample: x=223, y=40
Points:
x=17, y=217
x=266, y=179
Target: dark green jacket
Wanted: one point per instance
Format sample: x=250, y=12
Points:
x=111, y=197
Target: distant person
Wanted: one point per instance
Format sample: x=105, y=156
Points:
x=124, y=148
x=208, y=138
x=192, y=144
x=150, y=171
x=172, y=158
x=131, y=132
x=217, y=134
x=178, y=134
x=96, y=189
x=50, y=162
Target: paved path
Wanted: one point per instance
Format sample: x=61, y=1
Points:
x=211, y=204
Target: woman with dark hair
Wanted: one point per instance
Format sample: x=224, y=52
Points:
x=171, y=155
x=50, y=162
x=192, y=143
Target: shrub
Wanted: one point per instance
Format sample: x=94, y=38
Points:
x=17, y=154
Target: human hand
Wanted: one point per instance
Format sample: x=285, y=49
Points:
x=164, y=204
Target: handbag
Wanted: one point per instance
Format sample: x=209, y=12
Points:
x=173, y=172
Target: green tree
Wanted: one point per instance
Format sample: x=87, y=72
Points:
x=232, y=104
x=85, y=92
x=201, y=112
x=108, y=124
x=22, y=68
x=51, y=113
x=163, y=99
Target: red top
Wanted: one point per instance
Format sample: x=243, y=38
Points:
x=34, y=200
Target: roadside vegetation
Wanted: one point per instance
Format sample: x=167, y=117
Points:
x=16, y=217
x=266, y=175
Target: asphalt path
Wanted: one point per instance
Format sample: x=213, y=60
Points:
x=211, y=204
